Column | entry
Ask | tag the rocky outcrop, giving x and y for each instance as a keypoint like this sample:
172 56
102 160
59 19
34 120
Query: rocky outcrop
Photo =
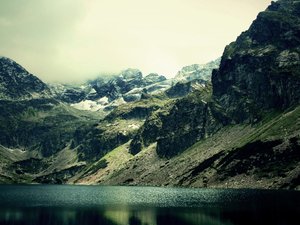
179 125
92 143
182 128
16 83
260 71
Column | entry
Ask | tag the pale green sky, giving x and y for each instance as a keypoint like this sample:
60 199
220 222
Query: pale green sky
72 40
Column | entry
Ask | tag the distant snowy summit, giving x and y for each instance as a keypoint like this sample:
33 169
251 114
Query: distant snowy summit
108 92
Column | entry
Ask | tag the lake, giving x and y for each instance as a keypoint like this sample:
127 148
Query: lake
113 205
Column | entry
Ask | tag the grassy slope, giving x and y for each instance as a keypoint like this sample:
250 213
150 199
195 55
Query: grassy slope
212 162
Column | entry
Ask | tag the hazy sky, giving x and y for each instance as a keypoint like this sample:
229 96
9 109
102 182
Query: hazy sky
72 40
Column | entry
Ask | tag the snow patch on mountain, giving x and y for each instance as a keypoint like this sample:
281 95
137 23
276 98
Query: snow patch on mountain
88 105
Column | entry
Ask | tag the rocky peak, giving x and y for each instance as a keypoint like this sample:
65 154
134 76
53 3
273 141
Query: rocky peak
130 74
153 78
197 71
17 83
129 79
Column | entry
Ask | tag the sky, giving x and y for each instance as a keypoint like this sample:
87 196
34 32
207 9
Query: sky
76 40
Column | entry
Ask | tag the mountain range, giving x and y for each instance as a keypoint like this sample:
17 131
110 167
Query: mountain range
231 123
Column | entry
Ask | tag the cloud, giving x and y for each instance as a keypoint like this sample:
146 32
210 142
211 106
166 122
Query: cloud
72 40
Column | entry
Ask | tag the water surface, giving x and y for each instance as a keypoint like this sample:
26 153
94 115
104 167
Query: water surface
106 205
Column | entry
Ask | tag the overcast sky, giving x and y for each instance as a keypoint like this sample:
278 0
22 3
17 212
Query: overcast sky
73 40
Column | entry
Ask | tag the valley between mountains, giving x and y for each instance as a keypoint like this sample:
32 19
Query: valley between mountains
231 123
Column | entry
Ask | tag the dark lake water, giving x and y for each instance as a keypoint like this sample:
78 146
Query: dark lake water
67 204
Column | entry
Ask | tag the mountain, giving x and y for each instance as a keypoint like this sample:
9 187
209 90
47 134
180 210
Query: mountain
17 83
241 130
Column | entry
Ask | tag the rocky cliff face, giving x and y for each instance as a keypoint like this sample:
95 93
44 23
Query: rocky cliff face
17 83
260 71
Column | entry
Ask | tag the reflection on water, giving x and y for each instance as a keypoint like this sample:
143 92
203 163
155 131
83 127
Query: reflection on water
107 217
66 205
161 216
